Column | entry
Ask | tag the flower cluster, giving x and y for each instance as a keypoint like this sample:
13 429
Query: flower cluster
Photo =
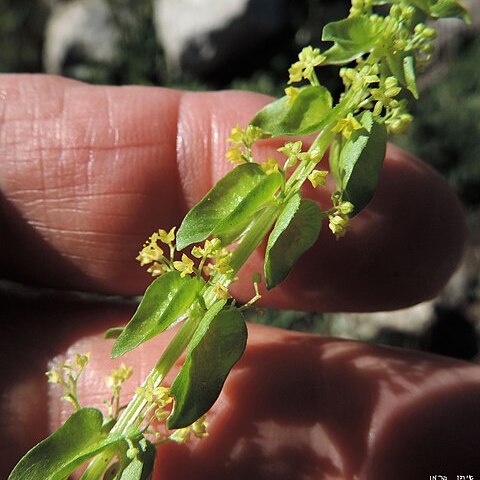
241 141
159 400
304 68
115 381
346 126
67 375
339 217
153 255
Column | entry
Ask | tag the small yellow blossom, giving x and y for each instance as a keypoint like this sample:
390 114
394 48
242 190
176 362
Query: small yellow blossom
292 150
318 178
156 269
384 96
338 225
235 155
185 266
345 208
221 292
270 166
292 93
198 428
82 359
54 376
223 265
347 125
118 376
167 237
150 252
308 59
162 396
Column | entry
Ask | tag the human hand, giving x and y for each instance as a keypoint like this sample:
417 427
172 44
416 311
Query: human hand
88 172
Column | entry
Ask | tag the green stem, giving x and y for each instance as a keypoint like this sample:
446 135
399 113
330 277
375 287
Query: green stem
133 414
252 239
98 466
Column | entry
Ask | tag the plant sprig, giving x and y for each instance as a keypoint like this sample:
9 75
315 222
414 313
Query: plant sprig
379 56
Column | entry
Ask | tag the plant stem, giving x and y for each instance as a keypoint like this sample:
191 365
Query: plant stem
97 466
133 414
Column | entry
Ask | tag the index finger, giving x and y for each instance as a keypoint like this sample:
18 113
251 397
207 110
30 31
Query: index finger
87 173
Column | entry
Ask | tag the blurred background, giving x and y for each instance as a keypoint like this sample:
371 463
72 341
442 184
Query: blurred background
249 44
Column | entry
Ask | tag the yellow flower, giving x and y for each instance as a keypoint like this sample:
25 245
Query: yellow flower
167 238
156 269
292 93
295 72
338 225
292 150
347 125
318 178
185 266
308 59
270 166
234 154
54 376
221 292
150 252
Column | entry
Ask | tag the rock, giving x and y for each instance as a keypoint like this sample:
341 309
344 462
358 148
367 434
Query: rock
200 37
80 30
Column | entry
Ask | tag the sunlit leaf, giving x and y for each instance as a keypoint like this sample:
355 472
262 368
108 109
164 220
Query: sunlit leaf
308 112
227 210
352 37
113 333
79 439
296 230
361 160
216 346
165 300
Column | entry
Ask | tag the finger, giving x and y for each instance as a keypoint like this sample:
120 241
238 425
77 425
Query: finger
88 173
295 406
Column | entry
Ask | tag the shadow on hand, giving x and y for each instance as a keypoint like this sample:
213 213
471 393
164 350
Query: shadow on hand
300 407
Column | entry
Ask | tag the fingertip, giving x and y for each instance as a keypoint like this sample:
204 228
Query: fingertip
400 250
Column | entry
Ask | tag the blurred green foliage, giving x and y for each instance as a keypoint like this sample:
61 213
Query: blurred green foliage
446 130
22 25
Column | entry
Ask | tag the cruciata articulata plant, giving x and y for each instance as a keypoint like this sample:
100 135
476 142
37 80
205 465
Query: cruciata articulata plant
379 47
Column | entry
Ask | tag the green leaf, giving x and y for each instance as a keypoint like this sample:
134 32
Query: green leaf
409 71
334 160
228 209
402 65
76 441
296 230
113 333
352 37
216 346
449 8
141 467
361 160
165 300
307 113
442 8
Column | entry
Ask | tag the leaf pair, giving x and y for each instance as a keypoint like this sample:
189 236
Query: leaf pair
356 166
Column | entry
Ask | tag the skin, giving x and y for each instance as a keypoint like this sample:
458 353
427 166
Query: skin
87 173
